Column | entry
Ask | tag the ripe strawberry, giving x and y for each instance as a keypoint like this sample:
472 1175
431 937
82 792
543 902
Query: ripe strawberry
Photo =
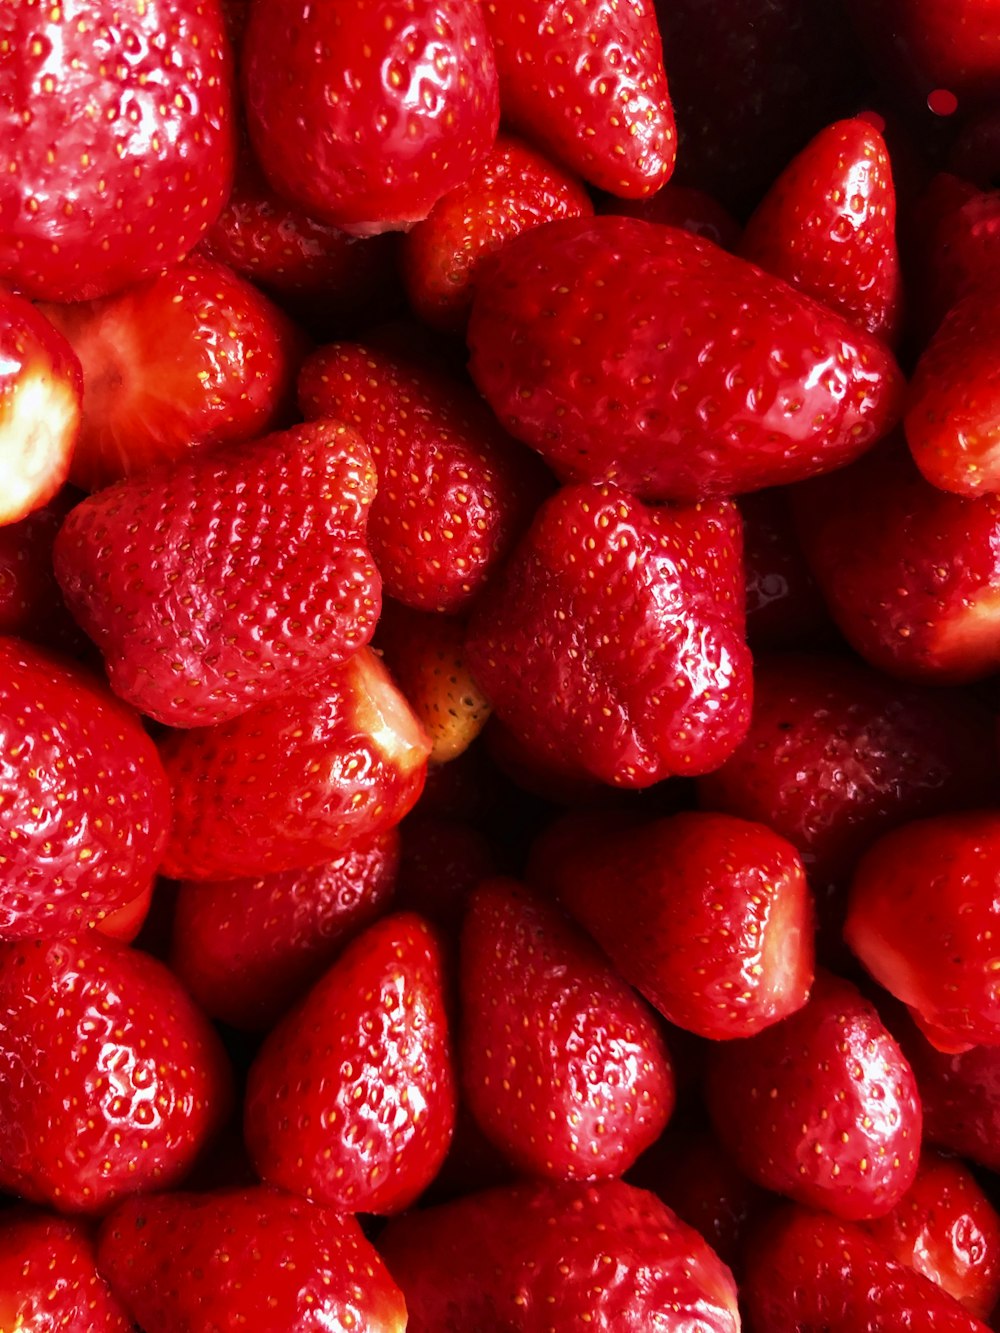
454 490
351 1101
41 389
118 140
192 358
681 206
955 245
923 915
716 930
342 759
111 1081
85 807
629 352
606 1257
586 81
612 641
828 227
49 1278
252 1258
127 921
246 950
365 113
563 1066
31 603
822 1107
220 583
813 1273
784 605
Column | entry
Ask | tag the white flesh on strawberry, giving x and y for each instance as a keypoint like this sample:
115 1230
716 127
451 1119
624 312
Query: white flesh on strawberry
39 420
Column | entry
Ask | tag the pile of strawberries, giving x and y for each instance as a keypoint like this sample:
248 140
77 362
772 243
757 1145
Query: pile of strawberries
499 632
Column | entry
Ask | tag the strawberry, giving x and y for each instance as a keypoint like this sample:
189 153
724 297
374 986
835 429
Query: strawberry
365 113
344 759
587 82
682 206
563 1066
49 1278
784 605
246 950
822 1107
252 1258
947 1229
31 604
453 490
85 806
716 930
828 227
192 358
612 641
923 915
955 247
606 1257
441 861
351 1101
812 1273
136 95
630 352
258 555
111 1081
41 394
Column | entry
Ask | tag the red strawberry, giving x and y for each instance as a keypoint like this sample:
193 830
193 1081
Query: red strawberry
49 1278
351 1101
246 950
118 140
31 603
784 605
644 355
366 112
586 81
85 806
955 247
342 759
453 489
192 358
822 1107
812 1273
681 206
923 917
947 1229
828 227
41 388
612 641
708 916
511 190
223 582
606 1257
253 1258
563 1066
111 1081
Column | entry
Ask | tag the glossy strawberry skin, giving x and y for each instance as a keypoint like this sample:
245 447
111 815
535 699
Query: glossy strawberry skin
587 82
563 1066
344 759
257 551
606 1257
364 113
623 351
49 1278
138 98
246 950
139 1085
589 662
252 1257
86 808
351 1100
799 1118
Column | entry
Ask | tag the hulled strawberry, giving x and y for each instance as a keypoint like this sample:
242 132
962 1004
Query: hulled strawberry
49 1278
221 583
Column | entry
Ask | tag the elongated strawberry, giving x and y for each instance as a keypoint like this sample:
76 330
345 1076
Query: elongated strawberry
351 1101
85 805
139 1084
612 641
192 358
297 781
365 113
226 581
253 1257
49 1278
118 134
628 352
